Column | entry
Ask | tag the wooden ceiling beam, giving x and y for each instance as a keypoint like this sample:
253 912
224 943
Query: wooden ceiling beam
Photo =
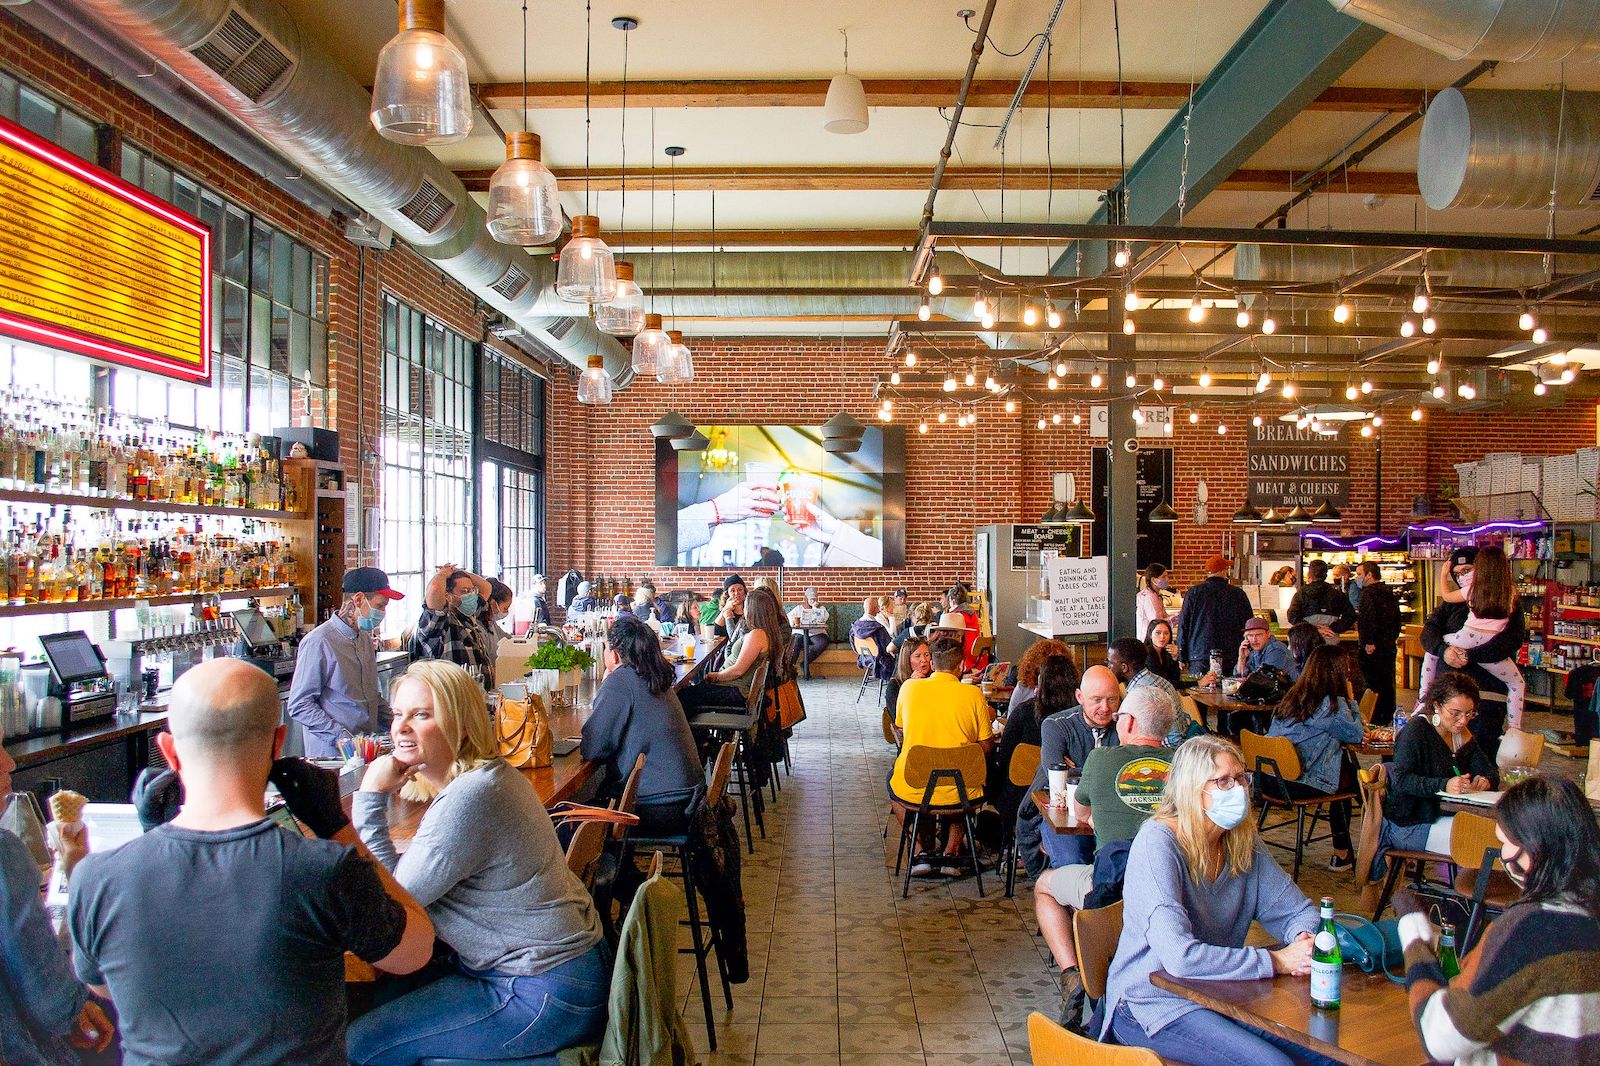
904 92
881 178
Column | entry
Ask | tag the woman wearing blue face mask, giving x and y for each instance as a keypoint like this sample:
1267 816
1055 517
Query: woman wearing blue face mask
1197 877
1150 606
448 628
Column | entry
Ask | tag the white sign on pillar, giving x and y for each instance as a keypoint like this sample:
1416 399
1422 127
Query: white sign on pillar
1156 423
1078 596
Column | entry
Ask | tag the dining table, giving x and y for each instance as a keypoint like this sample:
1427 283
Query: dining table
1060 818
1372 1026
1226 707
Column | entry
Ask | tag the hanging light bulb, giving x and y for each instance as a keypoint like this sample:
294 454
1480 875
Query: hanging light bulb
1052 384
971 379
887 403
1256 420
1130 300
1466 391
1433 364
1197 310
586 272
1052 317
950 383
1194 418
1288 390
1438 392
1430 325
1030 315
935 282
1242 317
1055 419
944 416
594 384
1408 327
988 321
1061 370
1568 376
1138 415
1420 302
1351 392
523 208
623 315
991 384
1077 420
972 417
1130 381
922 427
961 421
845 109
1540 335
1269 325
1167 428
1539 388
1526 321
894 377
886 415
1416 414
1095 380
924 312
420 92
911 358
1557 359
1222 429
651 346
1205 378
1121 258
1263 382
1366 388
1011 407
1039 424
1158 383
980 306
1366 431
1377 420
1341 311
1127 326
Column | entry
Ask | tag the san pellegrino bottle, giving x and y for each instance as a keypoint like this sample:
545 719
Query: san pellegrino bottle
1327 962
1447 952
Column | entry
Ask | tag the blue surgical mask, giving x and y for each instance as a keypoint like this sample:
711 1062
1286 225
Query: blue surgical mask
1228 807
470 603
370 621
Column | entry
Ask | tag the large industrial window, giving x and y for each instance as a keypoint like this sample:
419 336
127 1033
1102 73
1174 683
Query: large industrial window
426 447
511 537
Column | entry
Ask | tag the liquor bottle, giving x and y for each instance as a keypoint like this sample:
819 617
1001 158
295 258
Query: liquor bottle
1327 962
1447 952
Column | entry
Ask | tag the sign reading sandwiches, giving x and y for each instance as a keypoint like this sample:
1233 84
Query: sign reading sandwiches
1289 466
94 265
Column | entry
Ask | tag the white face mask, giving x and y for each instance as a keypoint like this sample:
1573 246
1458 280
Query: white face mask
1228 806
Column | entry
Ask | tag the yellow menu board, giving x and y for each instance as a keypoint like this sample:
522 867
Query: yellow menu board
93 265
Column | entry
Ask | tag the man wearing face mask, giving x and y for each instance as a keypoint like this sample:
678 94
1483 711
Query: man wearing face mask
448 628
335 694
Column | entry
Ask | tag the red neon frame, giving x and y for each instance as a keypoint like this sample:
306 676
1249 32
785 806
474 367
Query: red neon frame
84 343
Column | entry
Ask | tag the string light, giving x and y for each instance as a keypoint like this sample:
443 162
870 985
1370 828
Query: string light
1194 418
1167 429
1130 381
1430 325
1053 384
1539 388
1466 391
1205 378
1256 421
971 379
1420 302
1222 429
1077 420
1526 321
1377 420
1061 370
1366 388
1366 431
1040 424
935 283
980 306
1438 392
1011 407
1288 390
1095 380
1416 414
1242 318
1158 384
1052 317
991 384
1408 328
1341 311
1130 300
894 378
1138 415
1351 392
886 414
950 384
1121 258
1540 335
924 312
1269 325
1568 375
1056 419
944 416
1433 365
911 359
988 320
1197 310
1030 315
922 427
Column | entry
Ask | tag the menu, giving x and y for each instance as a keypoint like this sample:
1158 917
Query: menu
91 264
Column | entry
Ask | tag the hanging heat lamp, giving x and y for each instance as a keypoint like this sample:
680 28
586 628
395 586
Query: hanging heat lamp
651 346
594 384
623 316
420 92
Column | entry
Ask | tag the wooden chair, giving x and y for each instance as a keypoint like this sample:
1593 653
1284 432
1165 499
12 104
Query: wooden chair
1276 763
1191 707
1481 884
583 850
1024 767
617 851
1051 1045
1369 702
1374 786
1095 933
1519 749
925 767
888 730
866 650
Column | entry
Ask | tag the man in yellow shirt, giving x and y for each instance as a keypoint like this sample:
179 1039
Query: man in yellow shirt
939 711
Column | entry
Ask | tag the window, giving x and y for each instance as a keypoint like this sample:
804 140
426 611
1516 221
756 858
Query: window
39 114
427 430
511 538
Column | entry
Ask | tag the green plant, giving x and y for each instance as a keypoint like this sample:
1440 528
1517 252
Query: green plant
557 656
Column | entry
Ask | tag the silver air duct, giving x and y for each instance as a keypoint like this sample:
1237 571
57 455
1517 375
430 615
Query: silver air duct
1515 31
250 58
1505 148
1285 264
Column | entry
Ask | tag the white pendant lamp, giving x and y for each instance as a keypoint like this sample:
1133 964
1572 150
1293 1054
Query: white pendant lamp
624 315
845 110
594 384
523 209
587 273
420 93
677 368
651 346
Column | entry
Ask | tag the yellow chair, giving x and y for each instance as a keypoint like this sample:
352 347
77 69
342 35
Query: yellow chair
1519 749
1020 773
1276 763
925 768
1051 1045
1481 883
1369 702
1095 934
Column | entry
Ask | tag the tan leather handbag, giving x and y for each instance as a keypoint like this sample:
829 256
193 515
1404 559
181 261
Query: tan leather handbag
522 728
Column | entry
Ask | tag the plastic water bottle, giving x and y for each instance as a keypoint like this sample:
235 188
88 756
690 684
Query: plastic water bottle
1399 721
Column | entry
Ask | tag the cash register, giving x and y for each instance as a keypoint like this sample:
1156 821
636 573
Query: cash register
78 678
258 644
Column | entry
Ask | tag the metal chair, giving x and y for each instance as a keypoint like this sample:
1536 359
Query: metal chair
866 649
925 767
740 729
1276 763
1020 773
1051 1045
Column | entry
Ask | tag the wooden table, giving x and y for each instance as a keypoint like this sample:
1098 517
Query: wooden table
1226 707
1060 818
1372 1027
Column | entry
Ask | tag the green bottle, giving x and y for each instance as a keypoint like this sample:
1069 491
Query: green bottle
1327 962
1447 952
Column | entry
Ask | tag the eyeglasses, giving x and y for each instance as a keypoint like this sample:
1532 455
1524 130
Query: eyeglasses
1457 715
1224 784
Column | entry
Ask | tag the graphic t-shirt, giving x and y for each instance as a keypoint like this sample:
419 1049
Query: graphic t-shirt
1123 786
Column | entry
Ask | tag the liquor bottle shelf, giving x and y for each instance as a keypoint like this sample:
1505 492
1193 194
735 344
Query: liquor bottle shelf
108 503
80 606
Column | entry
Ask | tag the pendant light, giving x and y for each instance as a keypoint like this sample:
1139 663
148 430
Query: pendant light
623 316
1297 516
651 346
671 426
523 209
420 93
845 110
694 442
842 426
587 273
1163 512
1246 515
594 384
1079 512
677 366
1327 514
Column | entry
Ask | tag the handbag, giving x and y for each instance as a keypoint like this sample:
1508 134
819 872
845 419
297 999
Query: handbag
1266 685
791 709
1372 947
522 728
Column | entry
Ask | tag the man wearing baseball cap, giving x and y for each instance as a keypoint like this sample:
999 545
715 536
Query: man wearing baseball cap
1213 618
335 694
1260 648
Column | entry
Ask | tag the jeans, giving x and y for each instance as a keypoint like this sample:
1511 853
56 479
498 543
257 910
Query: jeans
1205 1036
1400 838
484 1014
1066 849
810 645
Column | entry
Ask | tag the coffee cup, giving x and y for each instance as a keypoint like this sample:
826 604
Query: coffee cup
1059 778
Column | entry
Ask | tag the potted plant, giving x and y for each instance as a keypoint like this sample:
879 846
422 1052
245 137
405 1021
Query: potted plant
556 666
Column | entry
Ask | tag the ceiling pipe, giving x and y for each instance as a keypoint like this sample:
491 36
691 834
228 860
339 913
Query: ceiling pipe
1515 31
1505 148
252 60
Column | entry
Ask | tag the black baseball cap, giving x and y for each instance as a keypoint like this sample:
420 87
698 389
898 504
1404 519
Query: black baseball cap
371 580
1462 556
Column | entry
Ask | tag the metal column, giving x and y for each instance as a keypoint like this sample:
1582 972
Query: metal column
1122 469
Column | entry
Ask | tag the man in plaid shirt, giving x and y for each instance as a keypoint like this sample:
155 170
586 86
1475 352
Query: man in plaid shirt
448 628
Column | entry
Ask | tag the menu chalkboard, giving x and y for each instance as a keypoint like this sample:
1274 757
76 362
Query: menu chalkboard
1153 539
1060 539
1290 466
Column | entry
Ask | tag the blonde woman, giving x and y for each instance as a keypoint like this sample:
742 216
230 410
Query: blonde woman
1197 877
531 971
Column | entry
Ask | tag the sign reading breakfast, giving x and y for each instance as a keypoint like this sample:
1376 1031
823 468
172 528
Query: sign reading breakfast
1290 466
93 265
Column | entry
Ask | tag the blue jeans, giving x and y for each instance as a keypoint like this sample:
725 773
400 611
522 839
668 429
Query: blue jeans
1205 1036
1400 838
488 1015
1066 849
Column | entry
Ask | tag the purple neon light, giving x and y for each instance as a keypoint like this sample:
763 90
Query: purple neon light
1362 544
1477 529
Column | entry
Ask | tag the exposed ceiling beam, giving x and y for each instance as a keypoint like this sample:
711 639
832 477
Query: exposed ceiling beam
771 238
874 178
903 92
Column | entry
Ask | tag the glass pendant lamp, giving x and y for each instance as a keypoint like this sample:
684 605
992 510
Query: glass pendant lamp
594 384
587 273
651 346
523 209
677 367
420 93
624 315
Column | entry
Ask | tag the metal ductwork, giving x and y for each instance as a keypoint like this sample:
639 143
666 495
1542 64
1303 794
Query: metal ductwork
1283 264
250 58
1513 31
1505 148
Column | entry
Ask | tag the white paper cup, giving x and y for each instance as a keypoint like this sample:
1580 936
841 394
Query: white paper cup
1058 788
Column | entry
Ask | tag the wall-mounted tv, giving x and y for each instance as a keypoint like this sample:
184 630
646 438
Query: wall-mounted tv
771 496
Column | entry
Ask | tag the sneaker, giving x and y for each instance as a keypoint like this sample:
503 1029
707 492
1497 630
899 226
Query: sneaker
1072 999
952 865
1347 862
922 865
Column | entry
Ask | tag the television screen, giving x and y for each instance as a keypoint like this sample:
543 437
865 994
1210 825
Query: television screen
772 496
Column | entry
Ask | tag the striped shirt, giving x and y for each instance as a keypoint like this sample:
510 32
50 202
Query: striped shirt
1529 993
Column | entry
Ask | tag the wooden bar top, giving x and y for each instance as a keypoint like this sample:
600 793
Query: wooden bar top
1372 1026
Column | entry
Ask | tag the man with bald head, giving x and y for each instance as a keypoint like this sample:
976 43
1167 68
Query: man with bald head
219 936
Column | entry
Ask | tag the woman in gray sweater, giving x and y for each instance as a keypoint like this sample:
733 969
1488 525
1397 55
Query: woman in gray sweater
531 971
1197 877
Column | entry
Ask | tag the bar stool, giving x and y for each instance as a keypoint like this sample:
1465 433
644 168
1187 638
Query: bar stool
615 853
736 728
